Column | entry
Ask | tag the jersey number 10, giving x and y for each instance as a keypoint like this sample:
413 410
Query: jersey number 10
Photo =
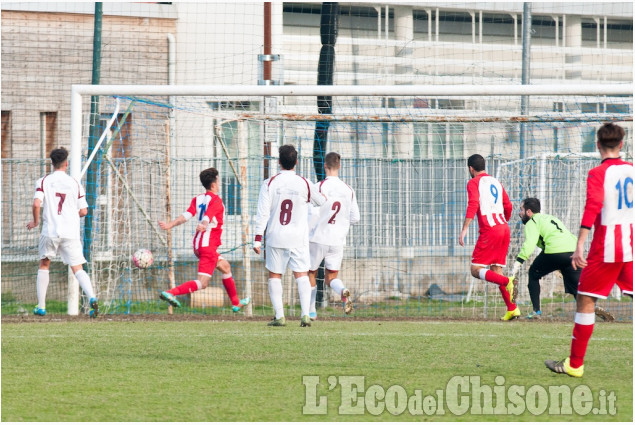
623 193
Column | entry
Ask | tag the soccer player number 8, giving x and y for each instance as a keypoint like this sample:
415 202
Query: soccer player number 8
285 211
494 191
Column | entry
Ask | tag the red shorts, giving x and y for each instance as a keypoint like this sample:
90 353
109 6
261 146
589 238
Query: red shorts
597 278
207 259
491 247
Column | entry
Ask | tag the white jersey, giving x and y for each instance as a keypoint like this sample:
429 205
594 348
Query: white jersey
283 210
336 215
62 197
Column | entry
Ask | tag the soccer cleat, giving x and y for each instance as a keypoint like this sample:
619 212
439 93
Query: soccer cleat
512 290
39 311
305 322
278 322
166 296
346 299
603 314
535 315
95 308
511 315
313 315
243 303
563 366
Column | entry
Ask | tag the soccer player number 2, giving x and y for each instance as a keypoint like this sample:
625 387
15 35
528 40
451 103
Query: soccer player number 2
622 189
494 191
337 206
285 211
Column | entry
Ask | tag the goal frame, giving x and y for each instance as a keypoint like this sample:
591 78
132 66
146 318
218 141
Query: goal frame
79 90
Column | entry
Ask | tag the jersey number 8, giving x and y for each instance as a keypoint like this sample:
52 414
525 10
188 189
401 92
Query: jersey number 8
286 208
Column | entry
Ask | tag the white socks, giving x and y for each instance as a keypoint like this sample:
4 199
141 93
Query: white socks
304 292
84 283
42 285
313 297
275 293
585 318
338 286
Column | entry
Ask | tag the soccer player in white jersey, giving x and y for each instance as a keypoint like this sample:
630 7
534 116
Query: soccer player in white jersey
61 201
328 234
283 212
609 208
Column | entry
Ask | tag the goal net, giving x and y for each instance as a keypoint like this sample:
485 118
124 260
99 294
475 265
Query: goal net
404 153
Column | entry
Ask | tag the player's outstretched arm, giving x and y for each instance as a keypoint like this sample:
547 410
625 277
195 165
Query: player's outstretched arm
262 216
578 260
466 225
36 215
355 215
532 236
170 224
317 198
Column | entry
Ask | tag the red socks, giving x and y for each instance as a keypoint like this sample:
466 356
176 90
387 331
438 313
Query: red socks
230 287
185 288
502 282
507 298
582 331
496 278
194 285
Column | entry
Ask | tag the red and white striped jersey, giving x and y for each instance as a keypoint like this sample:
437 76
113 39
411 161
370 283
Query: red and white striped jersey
609 207
283 210
335 216
488 201
207 207
62 197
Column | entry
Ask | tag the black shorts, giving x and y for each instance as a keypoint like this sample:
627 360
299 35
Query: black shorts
548 263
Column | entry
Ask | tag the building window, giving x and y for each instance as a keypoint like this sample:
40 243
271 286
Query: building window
7 201
6 134
48 133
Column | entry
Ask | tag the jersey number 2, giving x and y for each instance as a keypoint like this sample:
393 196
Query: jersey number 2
59 206
336 207
286 208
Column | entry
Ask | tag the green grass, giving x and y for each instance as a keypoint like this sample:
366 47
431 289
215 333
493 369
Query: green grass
245 371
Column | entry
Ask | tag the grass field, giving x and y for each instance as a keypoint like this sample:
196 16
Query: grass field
135 370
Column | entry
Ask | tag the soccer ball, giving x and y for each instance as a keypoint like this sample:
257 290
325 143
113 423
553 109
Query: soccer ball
143 258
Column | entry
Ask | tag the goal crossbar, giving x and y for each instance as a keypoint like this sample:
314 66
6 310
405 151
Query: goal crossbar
78 90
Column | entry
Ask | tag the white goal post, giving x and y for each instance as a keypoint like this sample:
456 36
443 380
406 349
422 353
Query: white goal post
77 146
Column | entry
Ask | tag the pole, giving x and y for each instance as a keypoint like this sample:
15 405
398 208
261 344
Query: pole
91 177
168 210
244 213
525 77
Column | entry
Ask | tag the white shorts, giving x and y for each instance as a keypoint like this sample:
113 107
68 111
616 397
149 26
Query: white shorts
332 256
277 259
69 249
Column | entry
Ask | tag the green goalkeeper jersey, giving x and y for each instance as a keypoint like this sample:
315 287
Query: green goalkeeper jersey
547 233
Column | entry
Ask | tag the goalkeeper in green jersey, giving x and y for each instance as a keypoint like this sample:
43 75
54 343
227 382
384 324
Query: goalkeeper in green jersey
557 244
